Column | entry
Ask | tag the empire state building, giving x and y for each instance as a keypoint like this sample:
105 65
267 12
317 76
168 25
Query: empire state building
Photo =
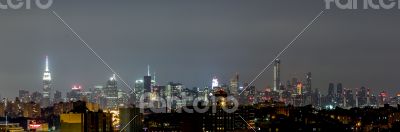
46 85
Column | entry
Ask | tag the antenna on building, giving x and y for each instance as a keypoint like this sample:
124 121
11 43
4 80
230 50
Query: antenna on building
148 70
154 74
47 64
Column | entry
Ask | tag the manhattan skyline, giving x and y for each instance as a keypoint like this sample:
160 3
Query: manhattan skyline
193 43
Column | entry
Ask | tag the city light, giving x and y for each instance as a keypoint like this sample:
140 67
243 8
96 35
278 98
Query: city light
215 83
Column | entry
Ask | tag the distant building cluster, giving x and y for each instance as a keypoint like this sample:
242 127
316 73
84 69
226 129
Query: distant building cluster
106 107
276 116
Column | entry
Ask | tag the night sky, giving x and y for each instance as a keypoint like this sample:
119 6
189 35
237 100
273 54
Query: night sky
191 41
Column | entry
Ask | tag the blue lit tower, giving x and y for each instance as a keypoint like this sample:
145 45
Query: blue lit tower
46 85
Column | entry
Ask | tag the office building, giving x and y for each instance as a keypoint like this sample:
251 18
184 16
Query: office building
111 93
45 102
277 75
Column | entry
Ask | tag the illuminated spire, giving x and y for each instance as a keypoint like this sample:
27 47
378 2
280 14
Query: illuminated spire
47 64
148 70
46 93
154 76
46 74
113 78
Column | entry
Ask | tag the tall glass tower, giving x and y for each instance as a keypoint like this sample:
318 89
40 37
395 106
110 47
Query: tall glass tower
277 71
111 93
147 81
234 85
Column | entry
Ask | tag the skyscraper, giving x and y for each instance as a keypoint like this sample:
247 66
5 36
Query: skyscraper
357 98
299 88
316 98
24 96
252 94
339 94
139 86
234 85
308 83
331 97
368 97
215 83
99 96
139 90
383 98
339 90
362 97
307 89
147 81
46 85
277 80
123 98
331 90
111 93
348 98
75 93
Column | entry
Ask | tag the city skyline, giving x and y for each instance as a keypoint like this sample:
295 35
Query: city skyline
332 54
214 82
199 65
